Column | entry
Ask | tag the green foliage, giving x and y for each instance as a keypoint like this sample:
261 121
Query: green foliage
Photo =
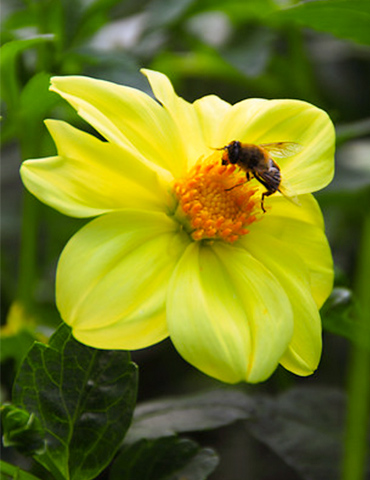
341 315
92 16
35 99
240 11
84 399
168 458
316 416
349 19
10 472
22 430
189 413
15 346
167 12
35 102
297 425
8 63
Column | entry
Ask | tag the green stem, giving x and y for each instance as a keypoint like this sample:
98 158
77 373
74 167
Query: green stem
30 147
28 251
15 472
356 440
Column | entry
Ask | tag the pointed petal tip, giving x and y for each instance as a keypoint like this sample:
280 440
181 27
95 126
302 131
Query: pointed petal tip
145 71
54 82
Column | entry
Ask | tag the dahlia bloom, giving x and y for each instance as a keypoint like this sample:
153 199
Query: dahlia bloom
174 249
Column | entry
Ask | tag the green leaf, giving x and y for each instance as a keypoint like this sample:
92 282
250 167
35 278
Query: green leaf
304 427
204 411
35 103
163 13
11 472
20 18
341 316
349 19
94 15
84 399
9 53
36 99
204 63
251 52
167 458
240 11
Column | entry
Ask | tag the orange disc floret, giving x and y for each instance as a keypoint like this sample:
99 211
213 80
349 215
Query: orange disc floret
212 209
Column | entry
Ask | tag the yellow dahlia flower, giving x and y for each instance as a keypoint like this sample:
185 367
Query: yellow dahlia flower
175 249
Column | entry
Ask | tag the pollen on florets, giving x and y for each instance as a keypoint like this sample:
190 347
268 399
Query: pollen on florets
211 208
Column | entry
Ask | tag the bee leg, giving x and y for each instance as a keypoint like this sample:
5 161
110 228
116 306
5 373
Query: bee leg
234 186
269 191
265 194
262 200
248 176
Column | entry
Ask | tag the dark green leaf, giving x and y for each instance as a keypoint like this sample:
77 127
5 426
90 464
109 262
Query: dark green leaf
199 467
84 399
349 19
11 472
303 426
167 458
93 16
191 413
250 53
340 315
108 66
22 430
166 12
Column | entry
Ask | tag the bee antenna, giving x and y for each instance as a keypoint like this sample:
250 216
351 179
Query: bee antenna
214 148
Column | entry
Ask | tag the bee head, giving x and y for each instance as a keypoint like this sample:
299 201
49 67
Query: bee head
233 152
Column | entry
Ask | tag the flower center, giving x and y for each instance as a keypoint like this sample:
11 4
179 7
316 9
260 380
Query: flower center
213 209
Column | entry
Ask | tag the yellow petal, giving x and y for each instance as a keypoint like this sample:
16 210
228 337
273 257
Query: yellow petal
90 177
183 115
257 121
112 279
236 120
210 111
301 227
303 354
127 117
227 315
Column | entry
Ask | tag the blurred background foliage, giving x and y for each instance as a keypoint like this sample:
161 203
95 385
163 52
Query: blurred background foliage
316 51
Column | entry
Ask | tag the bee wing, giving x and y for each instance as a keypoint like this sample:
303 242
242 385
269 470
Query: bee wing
282 149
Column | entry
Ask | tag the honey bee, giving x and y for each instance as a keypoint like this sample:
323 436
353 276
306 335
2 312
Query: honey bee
256 161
